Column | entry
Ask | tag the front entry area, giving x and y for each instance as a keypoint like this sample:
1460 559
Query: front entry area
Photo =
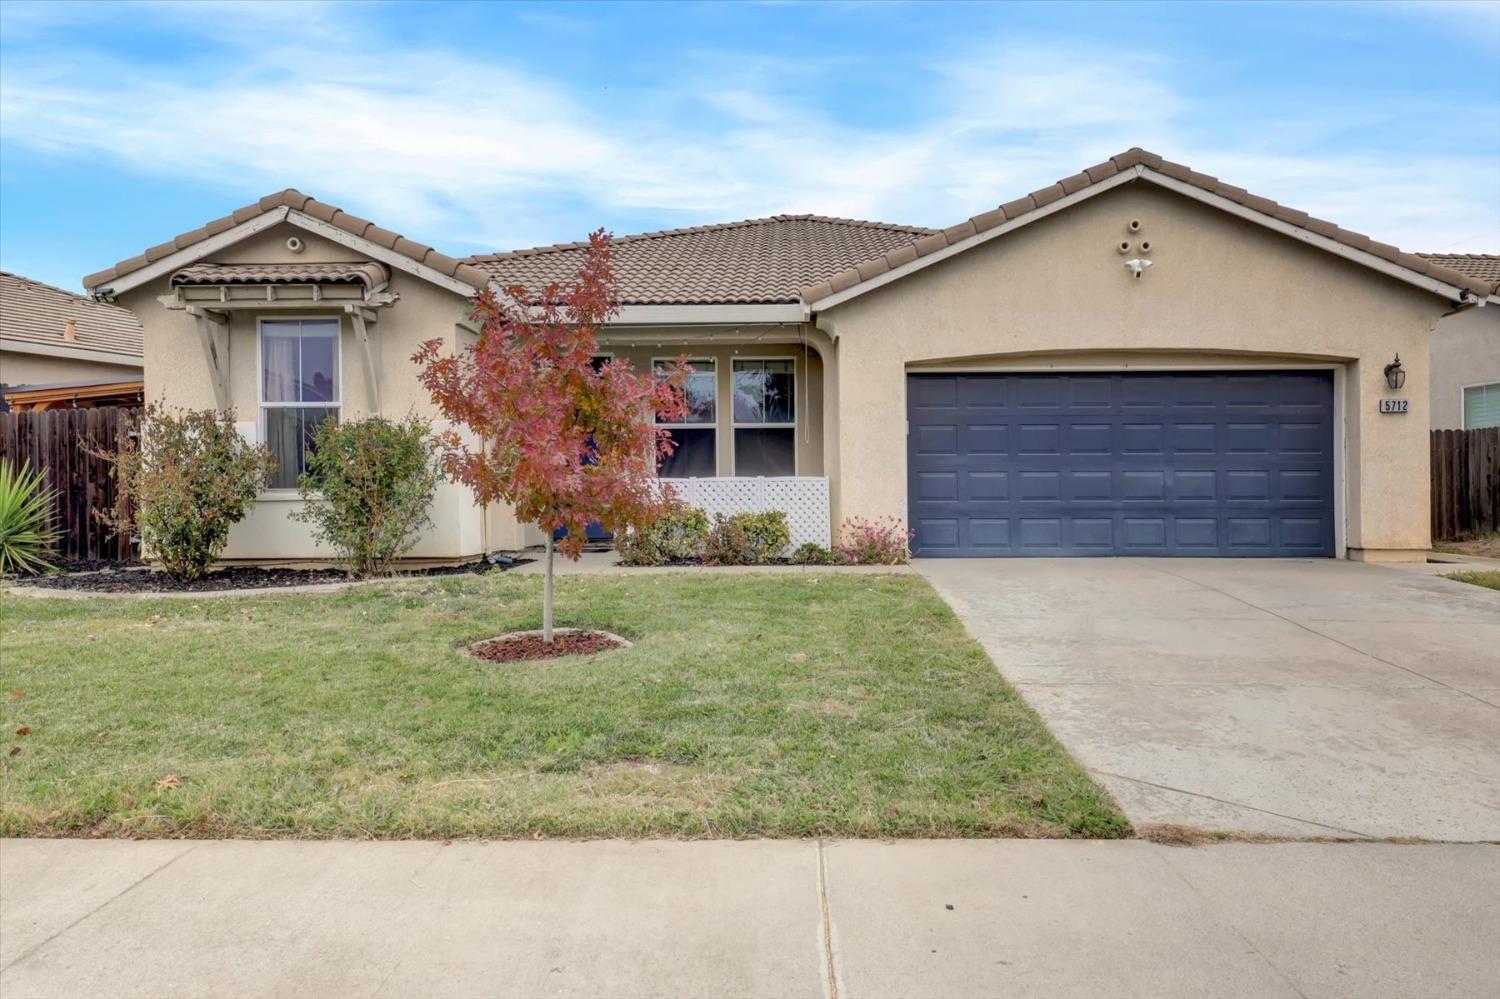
1201 463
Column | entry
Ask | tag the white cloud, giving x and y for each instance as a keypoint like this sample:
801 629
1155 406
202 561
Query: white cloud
459 151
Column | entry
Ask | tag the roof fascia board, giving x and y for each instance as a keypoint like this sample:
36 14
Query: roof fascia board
1370 260
74 353
701 315
896 274
197 251
378 252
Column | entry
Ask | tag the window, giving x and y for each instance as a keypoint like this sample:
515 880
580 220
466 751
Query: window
299 389
765 416
695 453
1482 406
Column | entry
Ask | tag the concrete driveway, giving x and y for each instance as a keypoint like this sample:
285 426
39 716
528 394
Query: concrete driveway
1291 698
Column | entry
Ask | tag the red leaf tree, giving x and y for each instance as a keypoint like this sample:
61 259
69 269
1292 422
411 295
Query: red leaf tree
564 442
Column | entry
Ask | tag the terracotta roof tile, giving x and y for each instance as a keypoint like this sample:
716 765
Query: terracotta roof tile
38 313
297 201
366 272
765 260
1436 266
1480 266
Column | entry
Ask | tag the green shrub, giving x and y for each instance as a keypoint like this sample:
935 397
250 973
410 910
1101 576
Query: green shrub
882 541
184 477
746 538
28 530
676 536
812 553
367 489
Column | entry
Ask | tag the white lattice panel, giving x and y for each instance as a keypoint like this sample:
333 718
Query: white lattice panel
804 500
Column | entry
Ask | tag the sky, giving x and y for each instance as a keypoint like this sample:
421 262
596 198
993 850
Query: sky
481 127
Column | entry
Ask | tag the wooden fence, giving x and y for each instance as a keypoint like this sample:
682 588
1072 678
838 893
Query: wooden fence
50 440
1465 483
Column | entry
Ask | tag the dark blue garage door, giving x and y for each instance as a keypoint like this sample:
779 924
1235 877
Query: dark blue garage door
1203 463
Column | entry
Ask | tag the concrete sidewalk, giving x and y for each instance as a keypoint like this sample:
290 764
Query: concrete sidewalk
758 918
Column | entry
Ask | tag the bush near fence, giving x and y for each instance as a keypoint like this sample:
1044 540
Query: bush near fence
1465 483
50 440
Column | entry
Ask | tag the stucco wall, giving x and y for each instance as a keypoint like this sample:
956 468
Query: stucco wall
1465 350
177 374
1221 290
21 368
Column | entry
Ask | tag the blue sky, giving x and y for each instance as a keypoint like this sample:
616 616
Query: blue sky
479 127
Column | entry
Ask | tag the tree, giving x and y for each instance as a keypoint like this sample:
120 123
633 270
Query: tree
562 441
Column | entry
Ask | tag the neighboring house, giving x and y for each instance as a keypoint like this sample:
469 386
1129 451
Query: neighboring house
1465 352
1135 360
61 350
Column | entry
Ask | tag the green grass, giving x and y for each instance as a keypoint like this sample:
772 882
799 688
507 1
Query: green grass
788 705
1479 577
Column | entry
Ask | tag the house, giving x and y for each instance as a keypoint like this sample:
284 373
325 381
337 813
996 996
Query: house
62 350
1138 359
1465 352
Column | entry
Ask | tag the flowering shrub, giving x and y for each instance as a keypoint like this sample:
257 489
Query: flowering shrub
675 536
881 541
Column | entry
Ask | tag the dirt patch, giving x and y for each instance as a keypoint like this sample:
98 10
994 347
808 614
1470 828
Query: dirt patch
140 579
1485 547
525 646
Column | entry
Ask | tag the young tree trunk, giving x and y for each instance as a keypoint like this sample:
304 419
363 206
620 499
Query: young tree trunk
547 594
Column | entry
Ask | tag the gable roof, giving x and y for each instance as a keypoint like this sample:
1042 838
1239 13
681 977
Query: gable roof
1482 266
33 312
288 201
1133 164
755 261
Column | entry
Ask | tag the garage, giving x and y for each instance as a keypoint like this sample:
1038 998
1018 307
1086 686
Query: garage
1201 463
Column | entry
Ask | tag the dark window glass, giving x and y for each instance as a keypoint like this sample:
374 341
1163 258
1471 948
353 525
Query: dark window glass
765 451
692 457
289 434
764 391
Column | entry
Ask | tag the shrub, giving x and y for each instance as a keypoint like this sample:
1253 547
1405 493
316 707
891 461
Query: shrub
746 538
368 487
677 535
184 476
882 541
28 530
812 553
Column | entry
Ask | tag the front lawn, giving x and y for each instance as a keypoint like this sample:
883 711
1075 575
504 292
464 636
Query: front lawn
1479 577
785 705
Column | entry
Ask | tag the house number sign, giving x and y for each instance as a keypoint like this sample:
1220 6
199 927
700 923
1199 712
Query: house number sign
1393 405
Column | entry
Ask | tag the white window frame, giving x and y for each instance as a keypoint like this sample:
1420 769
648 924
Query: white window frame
261 405
734 423
718 408
1463 401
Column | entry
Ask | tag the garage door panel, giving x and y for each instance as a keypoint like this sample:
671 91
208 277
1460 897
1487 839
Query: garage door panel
1204 464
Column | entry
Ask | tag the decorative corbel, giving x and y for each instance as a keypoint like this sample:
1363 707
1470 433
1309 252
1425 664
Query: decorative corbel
213 333
361 318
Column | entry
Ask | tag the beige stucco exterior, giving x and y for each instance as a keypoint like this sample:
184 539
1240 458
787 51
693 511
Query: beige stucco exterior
1465 350
1222 292
27 367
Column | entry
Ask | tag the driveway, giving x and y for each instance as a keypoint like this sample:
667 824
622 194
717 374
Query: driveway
1290 697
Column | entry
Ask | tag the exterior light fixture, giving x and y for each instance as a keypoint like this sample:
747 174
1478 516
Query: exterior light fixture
1395 375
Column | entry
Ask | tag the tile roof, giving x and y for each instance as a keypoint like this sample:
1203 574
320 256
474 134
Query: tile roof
297 201
39 313
900 255
765 260
1484 266
365 272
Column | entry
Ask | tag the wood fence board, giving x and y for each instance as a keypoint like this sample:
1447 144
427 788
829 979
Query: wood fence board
1465 470
52 440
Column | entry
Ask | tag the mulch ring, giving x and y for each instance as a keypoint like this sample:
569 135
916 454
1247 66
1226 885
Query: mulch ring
524 646
140 579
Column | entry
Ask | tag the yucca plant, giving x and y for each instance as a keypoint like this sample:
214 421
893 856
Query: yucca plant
27 531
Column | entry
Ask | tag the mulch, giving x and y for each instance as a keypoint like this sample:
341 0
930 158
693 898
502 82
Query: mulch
529 646
139 579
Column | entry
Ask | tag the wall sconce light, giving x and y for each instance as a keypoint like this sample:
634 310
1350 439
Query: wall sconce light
1395 375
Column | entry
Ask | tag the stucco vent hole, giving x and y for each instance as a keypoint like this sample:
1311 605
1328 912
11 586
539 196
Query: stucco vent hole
1134 225
1124 246
1145 246
294 244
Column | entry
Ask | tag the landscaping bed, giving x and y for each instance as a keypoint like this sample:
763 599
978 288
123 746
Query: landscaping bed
143 579
787 705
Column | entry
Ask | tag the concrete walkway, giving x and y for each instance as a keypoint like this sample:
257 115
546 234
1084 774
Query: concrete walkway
1286 697
758 918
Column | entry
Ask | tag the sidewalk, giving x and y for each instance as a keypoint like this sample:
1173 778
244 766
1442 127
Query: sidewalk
758 918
